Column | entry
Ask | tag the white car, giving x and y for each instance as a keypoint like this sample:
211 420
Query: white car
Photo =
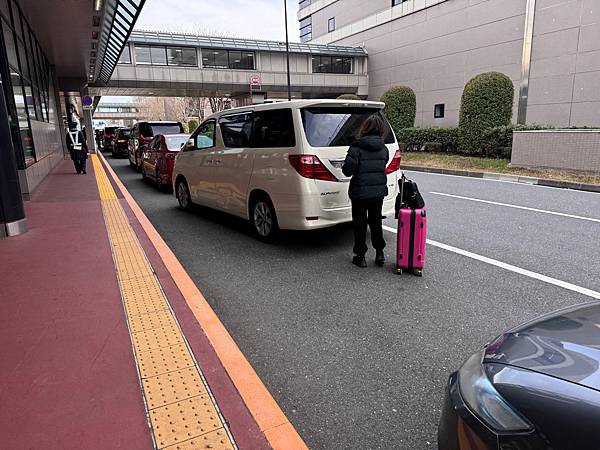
279 165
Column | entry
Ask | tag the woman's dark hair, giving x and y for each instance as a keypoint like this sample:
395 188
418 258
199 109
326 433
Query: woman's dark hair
373 126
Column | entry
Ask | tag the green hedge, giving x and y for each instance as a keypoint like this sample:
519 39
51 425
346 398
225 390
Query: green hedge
498 140
487 102
192 124
400 107
348 97
428 139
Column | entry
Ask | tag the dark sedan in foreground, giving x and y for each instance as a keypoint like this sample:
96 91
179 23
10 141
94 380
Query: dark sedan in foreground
534 387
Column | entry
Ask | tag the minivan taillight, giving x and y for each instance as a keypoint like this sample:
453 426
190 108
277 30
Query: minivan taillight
310 166
395 164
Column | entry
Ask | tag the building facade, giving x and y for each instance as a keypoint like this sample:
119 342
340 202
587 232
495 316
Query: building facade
550 49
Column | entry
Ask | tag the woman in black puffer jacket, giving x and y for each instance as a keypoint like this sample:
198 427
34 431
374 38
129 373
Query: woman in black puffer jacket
366 162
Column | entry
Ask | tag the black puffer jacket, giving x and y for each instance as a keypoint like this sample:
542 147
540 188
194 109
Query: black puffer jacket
366 162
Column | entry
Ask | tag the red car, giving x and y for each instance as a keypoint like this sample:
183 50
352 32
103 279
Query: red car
158 158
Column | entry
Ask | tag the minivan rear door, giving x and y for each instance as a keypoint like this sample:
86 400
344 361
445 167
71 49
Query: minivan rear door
330 129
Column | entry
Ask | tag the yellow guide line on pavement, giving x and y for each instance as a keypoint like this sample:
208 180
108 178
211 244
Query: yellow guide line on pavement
182 413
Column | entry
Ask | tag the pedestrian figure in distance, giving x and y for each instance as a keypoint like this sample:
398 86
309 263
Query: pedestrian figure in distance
366 162
78 148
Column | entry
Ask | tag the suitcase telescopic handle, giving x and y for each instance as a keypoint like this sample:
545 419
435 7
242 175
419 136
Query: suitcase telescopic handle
402 190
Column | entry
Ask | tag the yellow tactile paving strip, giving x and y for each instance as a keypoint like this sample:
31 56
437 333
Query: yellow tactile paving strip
182 412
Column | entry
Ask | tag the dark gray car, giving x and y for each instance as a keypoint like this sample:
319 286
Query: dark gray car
534 387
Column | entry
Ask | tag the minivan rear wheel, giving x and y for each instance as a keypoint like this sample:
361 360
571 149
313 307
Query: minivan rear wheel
263 219
183 196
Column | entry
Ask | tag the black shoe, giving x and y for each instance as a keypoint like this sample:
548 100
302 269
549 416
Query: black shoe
359 261
84 172
379 258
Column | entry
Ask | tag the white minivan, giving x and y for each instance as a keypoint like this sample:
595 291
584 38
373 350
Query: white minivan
279 165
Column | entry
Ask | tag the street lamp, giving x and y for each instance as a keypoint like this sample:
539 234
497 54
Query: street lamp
287 52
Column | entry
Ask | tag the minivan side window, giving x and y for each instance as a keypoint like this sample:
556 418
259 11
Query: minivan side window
204 137
274 128
236 130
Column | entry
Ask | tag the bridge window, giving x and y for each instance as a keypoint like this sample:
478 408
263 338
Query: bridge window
159 56
331 64
142 54
125 56
227 59
182 56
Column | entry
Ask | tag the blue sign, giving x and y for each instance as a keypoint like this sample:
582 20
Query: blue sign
87 100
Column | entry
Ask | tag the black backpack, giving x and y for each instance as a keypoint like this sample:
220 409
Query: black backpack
409 196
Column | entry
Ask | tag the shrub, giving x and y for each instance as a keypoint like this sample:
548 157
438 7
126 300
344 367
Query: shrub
429 139
348 97
192 124
498 140
400 107
487 102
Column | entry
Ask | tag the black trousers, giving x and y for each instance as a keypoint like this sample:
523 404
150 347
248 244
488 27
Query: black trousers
365 212
80 165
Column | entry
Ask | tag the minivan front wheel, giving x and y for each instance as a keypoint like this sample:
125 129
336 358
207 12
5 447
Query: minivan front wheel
183 196
263 219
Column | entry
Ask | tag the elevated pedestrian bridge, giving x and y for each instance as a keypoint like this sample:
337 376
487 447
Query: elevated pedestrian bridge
167 64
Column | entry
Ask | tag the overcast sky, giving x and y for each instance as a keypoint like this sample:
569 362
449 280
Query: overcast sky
259 19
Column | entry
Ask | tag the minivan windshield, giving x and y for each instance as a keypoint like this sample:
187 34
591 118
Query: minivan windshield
338 127
175 142
110 130
165 128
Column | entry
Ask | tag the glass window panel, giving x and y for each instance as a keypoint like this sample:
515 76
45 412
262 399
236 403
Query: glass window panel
37 104
24 130
248 61
236 130
24 68
274 129
175 56
347 65
235 59
337 64
142 55
125 56
189 57
159 56
337 127
9 41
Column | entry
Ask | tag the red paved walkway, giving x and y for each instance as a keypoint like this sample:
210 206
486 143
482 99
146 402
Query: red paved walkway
67 373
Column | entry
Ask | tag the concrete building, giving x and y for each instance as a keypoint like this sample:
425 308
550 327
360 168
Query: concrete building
549 48
178 65
50 52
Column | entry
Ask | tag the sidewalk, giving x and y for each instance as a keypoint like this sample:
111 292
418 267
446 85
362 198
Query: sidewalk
106 341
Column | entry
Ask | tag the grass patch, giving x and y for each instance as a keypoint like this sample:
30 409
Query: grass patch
479 164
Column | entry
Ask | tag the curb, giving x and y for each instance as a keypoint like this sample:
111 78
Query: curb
506 177
271 420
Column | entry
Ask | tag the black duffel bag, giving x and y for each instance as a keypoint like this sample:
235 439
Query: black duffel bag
409 196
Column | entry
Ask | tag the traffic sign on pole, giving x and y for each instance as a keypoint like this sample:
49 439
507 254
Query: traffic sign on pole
87 102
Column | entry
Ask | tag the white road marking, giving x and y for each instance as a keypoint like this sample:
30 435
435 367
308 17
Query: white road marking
501 181
510 267
508 205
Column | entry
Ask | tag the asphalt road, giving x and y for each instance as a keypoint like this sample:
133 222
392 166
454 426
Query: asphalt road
359 358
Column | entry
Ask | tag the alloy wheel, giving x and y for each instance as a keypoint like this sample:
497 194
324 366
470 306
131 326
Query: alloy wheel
263 219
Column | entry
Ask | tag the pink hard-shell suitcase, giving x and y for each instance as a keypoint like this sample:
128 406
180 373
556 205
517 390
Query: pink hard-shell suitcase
412 236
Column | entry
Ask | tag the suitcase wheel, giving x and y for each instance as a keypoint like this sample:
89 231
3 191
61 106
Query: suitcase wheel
418 272
398 270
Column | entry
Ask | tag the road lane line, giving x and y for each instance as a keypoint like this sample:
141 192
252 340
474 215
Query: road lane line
510 267
508 205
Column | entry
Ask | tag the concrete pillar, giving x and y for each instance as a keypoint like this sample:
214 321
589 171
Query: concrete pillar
12 211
